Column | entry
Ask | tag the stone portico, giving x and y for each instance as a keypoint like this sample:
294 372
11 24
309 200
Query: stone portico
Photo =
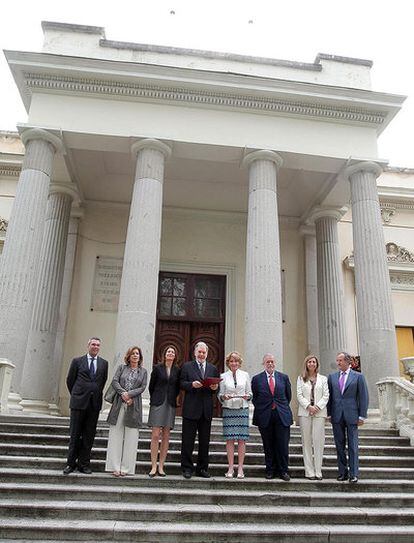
151 159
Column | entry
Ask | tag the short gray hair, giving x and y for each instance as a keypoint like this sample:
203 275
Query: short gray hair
197 345
347 356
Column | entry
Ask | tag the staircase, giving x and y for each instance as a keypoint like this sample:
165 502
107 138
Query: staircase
38 503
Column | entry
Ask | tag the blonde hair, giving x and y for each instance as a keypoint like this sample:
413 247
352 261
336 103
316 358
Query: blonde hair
236 355
305 371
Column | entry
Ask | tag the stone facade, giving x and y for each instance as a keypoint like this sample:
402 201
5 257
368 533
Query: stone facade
197 162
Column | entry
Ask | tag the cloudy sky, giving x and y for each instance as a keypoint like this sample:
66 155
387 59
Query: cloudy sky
379 30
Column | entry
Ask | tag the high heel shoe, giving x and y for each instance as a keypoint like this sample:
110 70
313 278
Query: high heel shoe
229 474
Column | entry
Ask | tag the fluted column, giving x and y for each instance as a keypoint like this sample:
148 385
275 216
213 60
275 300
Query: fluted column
332 330
376 325
76 215
39 372
263 311
19 263
139 283
311 288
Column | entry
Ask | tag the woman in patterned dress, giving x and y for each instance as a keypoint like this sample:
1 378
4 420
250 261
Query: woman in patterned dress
234 394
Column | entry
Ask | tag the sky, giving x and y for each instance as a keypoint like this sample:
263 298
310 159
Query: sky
378 30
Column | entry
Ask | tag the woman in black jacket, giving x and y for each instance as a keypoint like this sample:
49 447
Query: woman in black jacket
164 387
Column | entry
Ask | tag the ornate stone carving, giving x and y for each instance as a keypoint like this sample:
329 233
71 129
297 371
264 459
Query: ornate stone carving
217 99
400 265
387 213
3 226
396 253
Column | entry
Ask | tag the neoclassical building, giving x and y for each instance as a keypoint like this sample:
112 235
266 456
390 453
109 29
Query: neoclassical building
158 195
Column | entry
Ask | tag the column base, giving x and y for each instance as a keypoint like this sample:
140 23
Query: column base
36 407
14 403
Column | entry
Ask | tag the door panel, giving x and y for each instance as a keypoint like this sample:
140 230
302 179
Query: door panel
191 308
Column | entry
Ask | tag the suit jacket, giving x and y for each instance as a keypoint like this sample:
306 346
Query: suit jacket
82 387
133 415
198 402
353 403
263 399
321 391
243 389
162 386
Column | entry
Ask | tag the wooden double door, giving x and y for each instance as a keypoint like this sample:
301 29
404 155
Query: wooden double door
191 308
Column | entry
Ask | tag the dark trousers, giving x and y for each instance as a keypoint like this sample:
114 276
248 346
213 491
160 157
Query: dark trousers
275 439
191 427
82 433
344 432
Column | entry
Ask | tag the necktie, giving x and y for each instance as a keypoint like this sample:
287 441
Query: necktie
342 382
272 384
201 370
92 368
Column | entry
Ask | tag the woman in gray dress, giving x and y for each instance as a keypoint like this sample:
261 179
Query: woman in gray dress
163 388
125 416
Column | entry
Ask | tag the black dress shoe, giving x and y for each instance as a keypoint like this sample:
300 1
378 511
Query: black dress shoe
203 473
187 474
85 470
343 477
162 474
68 469
311 478
269 475
285 477
353 480
319 478
152 475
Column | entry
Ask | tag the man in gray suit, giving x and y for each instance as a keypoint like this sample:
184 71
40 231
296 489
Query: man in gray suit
86 379
347 409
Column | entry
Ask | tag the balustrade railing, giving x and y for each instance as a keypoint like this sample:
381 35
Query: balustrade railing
396 400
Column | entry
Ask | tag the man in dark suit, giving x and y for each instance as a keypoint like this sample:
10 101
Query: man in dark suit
197 411
85 381
272 414
347 409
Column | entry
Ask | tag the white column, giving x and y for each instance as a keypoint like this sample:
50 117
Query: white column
376 325
263 311
39 371
332 329
311 289
75 216
19 263
139 283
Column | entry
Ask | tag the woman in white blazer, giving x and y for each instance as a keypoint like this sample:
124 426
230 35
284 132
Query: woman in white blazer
234 394
313 395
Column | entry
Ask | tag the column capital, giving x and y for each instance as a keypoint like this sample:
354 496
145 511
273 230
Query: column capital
321 212
150 143
28 134
307 230
64 188
363 166
77 212
263 154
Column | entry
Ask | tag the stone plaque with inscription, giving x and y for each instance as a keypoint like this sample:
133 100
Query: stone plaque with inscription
106 284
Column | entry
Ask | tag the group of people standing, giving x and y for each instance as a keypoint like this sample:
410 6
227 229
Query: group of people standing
341 398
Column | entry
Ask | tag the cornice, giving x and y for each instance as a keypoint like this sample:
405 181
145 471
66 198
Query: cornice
10 170
137 91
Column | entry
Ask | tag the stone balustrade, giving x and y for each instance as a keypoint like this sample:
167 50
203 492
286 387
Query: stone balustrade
396 400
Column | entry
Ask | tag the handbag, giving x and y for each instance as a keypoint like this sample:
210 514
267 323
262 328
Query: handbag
110 394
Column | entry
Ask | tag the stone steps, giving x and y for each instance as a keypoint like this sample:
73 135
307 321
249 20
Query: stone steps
178 532
38 503
373 445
